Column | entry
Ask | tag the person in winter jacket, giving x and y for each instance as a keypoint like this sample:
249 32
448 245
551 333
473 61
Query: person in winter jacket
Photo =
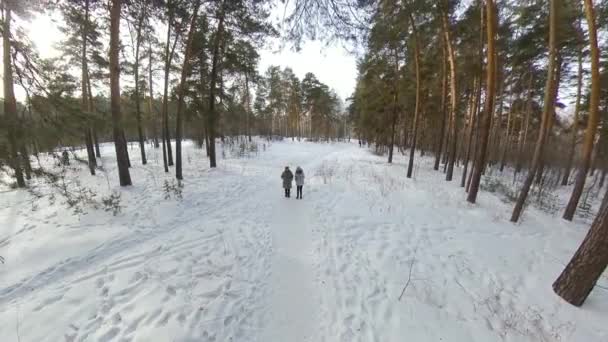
287 178
299 182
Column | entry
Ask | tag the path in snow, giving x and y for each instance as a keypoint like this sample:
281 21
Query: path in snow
233 260
293 301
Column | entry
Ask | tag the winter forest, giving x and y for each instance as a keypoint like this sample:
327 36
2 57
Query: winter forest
458 191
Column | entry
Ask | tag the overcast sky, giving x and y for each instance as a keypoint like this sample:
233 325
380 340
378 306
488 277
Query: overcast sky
331 64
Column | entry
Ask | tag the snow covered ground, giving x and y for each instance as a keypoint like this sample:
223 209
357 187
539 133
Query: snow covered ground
367 255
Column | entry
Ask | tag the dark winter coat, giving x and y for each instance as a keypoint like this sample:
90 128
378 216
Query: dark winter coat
287 178
299 177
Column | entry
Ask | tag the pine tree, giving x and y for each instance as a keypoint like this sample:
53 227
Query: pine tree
119 142
550 92
10 104
593 119
182 91
480 160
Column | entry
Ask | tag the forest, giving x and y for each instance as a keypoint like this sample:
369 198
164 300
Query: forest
517 89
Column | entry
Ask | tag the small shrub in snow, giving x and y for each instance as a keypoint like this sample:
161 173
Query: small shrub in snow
112 203
173 189
326 171
546 201
497 186
253 148
1 260
242 149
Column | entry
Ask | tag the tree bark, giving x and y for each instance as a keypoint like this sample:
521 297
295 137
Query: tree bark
91 110
181 93
119 141
577 106
484 132
140 132
444 118
96 142
151 96
92 162
472 122
212 119
394 112
577 280
10 104
126 146
476 104
248 110
453 99
524 131
507 137
593 119
88 139
549 103
410 166
25 157
168 152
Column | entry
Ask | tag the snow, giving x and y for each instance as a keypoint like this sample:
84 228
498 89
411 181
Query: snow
233 260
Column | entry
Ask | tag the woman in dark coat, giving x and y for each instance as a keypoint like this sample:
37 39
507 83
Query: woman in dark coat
287 177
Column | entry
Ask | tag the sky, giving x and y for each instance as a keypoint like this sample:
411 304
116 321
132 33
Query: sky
332 64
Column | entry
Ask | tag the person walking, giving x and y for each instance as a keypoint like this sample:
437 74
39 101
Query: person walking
287 177
299 182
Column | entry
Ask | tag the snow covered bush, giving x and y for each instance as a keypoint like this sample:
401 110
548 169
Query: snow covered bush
173 189
326 171
112 203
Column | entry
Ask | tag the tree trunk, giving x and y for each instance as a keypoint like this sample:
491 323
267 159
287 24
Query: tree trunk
91 110
180 94
27 166
84 100
10 104
212 119
394 113
570 155
96 142
558 71
577 280
126 147
593 119
151 96
484 131
393 124
444 117
410 166
119 142
524 133
88 139
248 110
453 99
168 58
549 103
164 146
140 132
507 137
472 122
476 104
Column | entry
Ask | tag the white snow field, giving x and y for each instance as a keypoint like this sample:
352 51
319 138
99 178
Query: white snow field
233 260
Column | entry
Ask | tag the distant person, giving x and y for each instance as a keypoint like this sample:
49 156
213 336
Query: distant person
287 178
299 182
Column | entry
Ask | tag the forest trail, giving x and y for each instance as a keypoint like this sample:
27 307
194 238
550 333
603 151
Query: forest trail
228 258
294 297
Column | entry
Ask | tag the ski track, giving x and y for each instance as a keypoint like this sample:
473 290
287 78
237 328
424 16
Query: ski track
235 261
